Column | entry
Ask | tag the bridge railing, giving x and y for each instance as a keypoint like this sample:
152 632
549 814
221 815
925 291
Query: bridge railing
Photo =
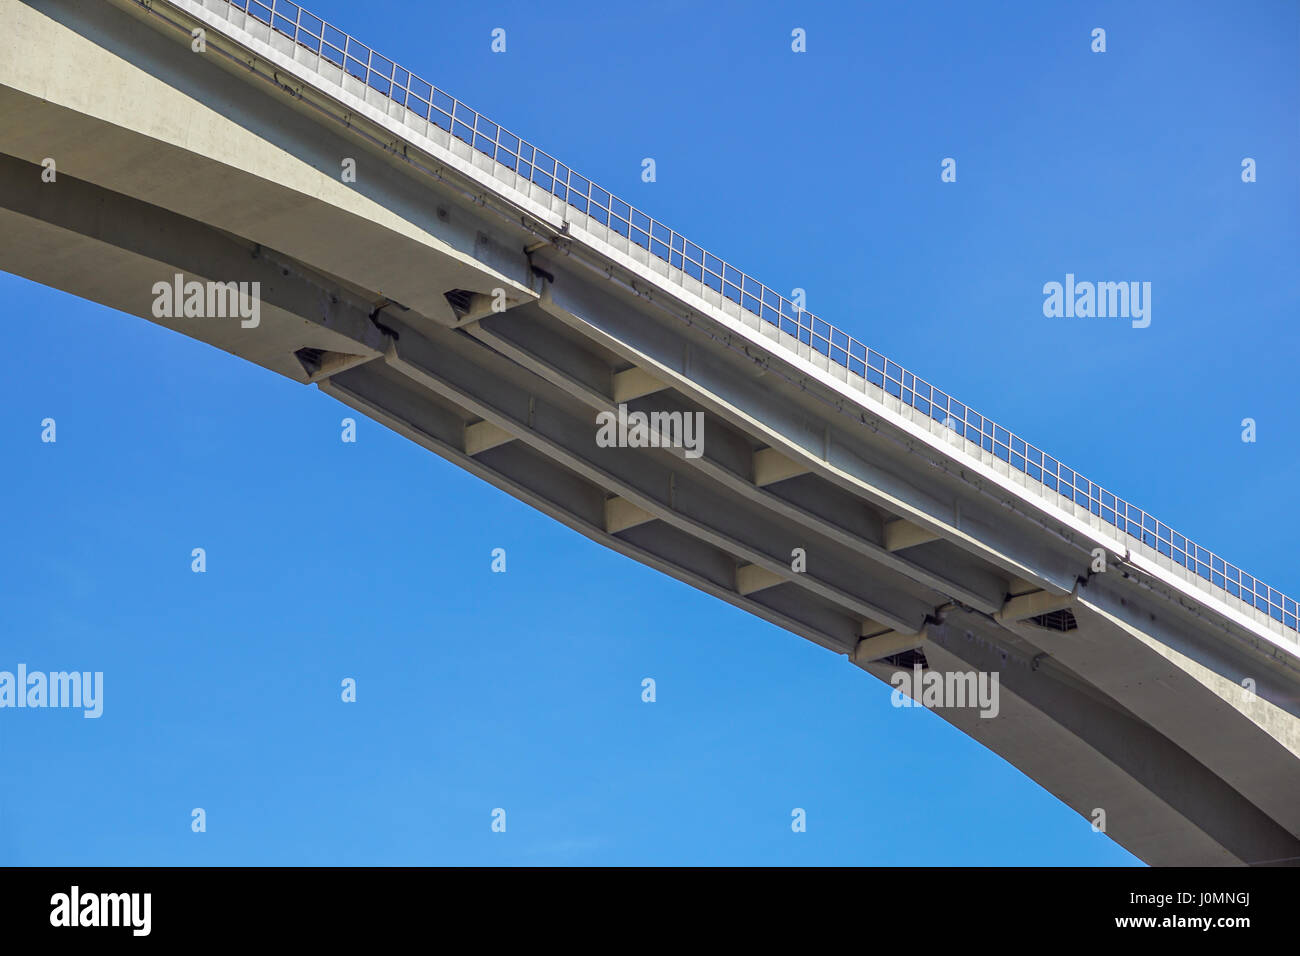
494 141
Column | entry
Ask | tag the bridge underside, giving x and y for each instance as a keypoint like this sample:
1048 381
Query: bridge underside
1114 696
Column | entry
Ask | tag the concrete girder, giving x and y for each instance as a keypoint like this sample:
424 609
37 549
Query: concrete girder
1245 722
605 318
1091 752
751 578
269 173
874 647
1068 768
901 533
399 404
621 514
1144 649
178 238
770 466
523 341
634 383
48 228
671 496
483 436
1069 530
1023 606
482 305
204 240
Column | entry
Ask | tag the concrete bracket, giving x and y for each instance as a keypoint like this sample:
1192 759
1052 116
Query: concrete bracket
1034 604
885 644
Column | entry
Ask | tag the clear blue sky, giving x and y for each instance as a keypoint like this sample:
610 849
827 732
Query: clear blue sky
522 690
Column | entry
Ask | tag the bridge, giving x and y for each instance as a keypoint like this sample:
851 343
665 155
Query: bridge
471 292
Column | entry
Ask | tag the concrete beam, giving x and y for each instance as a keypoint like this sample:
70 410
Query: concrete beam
322 365
784 413
492 387
482 305
1128 692
634 383
311 327
901 533
869 628
751 578
427 419
530 343
256 152
1089 750
621 514
481 436
1191 687
1025 606
770 466
886 645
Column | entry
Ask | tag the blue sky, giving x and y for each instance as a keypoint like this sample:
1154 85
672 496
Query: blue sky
522 690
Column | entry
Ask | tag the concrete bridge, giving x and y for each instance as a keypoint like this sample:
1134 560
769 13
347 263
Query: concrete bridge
474 294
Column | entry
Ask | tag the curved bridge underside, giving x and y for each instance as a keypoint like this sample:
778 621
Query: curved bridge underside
493 337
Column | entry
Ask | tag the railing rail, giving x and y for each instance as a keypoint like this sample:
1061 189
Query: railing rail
492 140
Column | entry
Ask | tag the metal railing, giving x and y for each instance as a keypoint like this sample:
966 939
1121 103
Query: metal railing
492 140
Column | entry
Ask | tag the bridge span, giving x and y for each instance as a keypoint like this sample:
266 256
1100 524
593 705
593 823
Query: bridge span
473 293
